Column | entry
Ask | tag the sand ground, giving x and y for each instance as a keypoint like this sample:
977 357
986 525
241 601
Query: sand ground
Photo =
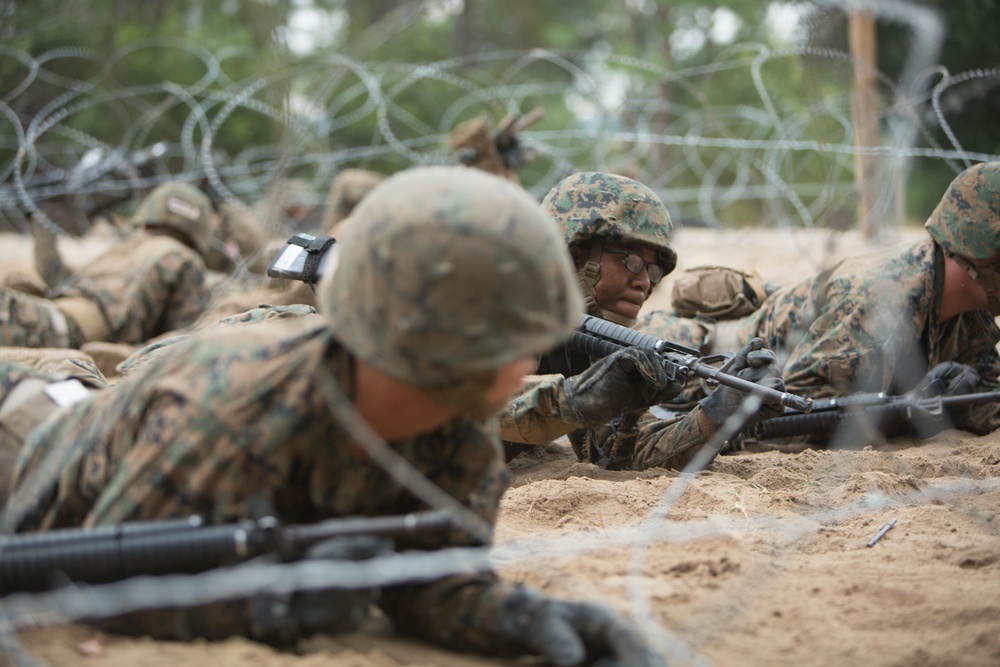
760 561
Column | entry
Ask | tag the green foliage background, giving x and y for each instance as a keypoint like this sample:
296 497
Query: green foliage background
125 73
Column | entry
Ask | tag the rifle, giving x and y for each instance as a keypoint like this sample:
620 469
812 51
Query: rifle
600 338
34 561
892 415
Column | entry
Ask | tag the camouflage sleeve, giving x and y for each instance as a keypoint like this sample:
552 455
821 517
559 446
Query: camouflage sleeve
539 414
462 612
985 417
189 296
670 443
846 349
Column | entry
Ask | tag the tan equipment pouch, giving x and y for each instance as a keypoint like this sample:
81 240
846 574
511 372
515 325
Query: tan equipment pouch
718 292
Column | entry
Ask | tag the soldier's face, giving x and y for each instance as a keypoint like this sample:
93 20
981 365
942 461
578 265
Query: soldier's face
618 289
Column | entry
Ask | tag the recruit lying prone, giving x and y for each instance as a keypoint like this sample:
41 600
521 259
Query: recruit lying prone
600 338
36 561
890 415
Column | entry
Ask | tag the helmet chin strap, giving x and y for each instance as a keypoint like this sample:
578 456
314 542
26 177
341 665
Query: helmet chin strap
589 275
988 277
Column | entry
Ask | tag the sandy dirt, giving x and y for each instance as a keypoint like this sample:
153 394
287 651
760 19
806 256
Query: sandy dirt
759 561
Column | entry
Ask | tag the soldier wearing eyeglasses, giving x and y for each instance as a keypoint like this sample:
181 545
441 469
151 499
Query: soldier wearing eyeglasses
619 236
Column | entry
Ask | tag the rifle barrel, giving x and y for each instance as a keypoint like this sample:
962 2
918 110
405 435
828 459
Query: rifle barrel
794 401
35 561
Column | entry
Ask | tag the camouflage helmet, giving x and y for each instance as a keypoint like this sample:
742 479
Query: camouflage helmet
966 222
597 208
346 191
446 273
181 208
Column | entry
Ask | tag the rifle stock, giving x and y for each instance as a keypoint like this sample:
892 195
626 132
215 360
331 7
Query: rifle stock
31 562
599 337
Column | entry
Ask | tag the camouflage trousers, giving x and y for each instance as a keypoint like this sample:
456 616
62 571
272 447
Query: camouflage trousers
30 321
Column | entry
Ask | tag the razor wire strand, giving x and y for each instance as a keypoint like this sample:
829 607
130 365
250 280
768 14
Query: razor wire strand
641 138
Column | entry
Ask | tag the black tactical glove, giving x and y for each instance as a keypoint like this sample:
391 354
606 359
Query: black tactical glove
949 378
574 633
282 620
755 363
630 379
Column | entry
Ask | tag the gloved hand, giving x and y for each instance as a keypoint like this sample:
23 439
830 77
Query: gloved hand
949 378
282 620
574 633
755 363
630 379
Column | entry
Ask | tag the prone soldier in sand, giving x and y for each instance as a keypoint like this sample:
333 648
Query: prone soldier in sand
923 315
618 232
448 285
914 318
150 283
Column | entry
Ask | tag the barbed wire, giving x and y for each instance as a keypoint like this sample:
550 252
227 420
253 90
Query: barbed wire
741 151
731 153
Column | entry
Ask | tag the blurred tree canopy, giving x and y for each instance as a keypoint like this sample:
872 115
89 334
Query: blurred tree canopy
710 102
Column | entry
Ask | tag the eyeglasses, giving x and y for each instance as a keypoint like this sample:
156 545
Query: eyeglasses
634 263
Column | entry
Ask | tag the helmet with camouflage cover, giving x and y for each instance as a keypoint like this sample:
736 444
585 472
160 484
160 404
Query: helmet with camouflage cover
347 189
594 209
966 224
445 275
181 208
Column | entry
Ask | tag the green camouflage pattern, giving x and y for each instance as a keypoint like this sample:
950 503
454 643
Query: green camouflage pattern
31 321
61 363
468 273
613 209
225 418
540 413
594 206
263 313
180 207
144 286
966 222
693 332
870 324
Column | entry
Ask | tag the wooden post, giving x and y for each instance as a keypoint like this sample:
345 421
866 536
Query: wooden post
865 118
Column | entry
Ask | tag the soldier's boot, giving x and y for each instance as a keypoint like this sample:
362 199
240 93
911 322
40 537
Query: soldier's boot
48 262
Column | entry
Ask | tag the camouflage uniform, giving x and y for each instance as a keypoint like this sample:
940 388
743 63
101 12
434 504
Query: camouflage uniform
184 436
142 287
224 418
593 208
870 323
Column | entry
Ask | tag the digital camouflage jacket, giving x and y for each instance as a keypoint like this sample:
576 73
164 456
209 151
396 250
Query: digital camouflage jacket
870 324
222 419
540 414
